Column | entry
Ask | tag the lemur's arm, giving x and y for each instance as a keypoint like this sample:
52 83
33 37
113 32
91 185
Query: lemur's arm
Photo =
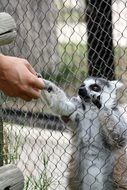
57 100
113 123
114 127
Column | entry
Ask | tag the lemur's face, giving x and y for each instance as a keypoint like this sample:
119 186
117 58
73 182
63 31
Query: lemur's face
100 91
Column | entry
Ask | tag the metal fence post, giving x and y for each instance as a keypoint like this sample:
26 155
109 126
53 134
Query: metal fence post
100 40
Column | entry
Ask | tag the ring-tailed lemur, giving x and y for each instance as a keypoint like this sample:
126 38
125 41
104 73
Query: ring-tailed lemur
101 133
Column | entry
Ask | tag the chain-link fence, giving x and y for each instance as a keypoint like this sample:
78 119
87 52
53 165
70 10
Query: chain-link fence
65 40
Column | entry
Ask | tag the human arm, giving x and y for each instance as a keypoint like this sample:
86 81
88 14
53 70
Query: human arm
18 78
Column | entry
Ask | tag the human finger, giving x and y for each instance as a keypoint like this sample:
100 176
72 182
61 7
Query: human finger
22 96
33 93
26 98
37 83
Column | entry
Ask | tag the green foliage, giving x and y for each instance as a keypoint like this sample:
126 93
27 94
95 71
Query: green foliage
72 67
43 182
69 13
12 144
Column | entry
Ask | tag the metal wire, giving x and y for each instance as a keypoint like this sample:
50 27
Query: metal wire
57 37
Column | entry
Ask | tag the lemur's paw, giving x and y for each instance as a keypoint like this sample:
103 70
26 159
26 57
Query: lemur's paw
56 99
52 90
53 95
49 86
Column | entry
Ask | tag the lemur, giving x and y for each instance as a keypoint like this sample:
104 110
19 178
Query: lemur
101 133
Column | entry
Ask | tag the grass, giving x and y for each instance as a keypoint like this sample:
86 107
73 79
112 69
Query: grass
43 182
12 150
12 144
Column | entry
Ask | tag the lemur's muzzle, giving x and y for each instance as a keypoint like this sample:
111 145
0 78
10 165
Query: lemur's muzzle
82 92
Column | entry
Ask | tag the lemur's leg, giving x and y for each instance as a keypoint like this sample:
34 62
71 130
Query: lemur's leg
57 100
114 127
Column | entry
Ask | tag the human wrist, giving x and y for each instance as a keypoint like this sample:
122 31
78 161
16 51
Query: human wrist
5 63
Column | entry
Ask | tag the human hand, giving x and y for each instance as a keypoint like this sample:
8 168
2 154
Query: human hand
18 78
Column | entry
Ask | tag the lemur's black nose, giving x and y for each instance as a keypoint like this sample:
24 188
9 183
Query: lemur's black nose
82 92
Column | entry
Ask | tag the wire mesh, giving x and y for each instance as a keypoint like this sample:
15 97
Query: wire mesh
57 37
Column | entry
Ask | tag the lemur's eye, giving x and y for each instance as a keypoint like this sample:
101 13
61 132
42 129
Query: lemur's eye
95 87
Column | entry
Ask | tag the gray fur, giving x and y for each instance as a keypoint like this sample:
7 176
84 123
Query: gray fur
100 133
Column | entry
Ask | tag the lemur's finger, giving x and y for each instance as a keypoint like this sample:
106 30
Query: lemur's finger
39 75
48 86
49 89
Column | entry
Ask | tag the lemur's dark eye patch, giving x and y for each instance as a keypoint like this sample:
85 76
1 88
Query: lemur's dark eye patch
95 87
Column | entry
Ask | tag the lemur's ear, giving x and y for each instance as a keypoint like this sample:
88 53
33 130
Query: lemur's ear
117 84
